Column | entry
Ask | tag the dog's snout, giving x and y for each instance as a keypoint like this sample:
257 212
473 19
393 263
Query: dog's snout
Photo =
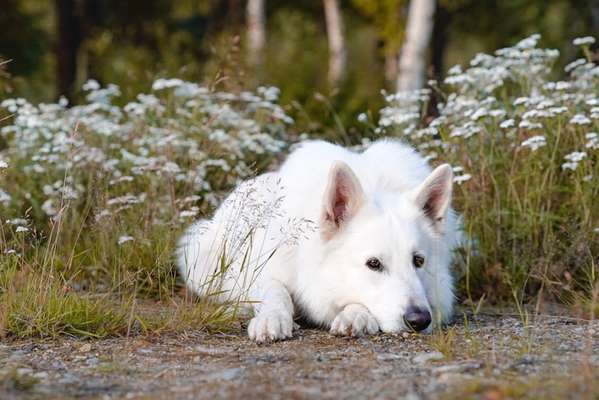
417 319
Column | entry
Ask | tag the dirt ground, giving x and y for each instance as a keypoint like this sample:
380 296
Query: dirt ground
489 356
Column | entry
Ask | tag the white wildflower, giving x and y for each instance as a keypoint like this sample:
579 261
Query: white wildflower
4 197
481 112
124 239
526 124
3 164
22 229
521 101
508 123
534 142
17 221
171 168
90 85
580 119
557 110
573 159
459 179
576 156
592 140
192 212
583 41
160 84
528 43
49 208
362 117
497 113
569 165
575 64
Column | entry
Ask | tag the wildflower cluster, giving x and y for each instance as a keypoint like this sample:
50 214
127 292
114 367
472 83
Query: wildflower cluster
527 148
124 172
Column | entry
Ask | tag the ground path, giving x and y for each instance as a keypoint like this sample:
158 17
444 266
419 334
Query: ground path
490 356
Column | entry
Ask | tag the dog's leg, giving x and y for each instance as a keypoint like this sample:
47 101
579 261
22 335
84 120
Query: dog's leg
274 315
354 320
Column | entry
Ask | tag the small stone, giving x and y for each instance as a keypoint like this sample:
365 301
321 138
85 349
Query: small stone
92 361
24 371
41 375
423 358
87 347
226 374
210 350
388 356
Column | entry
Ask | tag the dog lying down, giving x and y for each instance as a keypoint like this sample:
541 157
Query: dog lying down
354 242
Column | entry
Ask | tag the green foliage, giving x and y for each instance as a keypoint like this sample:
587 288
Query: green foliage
388 18
38 304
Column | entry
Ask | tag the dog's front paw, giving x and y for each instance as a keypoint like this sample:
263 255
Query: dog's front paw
270 326
354 320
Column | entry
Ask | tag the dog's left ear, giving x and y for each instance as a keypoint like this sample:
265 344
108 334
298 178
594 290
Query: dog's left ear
343 197
433 196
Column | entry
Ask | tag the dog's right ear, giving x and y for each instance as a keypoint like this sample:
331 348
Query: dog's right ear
343 198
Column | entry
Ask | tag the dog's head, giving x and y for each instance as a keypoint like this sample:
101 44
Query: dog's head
380 249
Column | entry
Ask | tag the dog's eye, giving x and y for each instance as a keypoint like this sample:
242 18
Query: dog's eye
417 260
374 264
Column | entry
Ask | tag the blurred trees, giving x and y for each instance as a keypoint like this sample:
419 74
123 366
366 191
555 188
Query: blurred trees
336 38
256 32
413 58
387 17
69 26
55 46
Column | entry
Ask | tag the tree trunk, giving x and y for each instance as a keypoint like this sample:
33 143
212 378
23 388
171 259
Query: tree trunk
69 40
440 40
412 60
256 32
337 52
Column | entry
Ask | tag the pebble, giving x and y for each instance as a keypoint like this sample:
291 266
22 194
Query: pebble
85 348
41 375
225 375
388 356
24 371
423 358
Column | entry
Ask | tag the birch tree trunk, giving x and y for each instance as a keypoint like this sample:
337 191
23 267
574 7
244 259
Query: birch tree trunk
412 59
337 52
256 31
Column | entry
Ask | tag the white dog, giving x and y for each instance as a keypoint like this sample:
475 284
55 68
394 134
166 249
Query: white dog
354 242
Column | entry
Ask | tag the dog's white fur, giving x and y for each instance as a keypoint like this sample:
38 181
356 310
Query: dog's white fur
385 202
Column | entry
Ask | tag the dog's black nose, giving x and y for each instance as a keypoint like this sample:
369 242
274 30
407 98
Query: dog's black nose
417 319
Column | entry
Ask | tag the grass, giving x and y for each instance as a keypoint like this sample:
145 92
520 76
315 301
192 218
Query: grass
94 197
35 304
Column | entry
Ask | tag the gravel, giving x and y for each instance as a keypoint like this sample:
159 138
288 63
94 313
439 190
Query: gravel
494 354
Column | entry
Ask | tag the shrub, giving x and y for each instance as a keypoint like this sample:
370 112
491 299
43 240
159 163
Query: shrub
118 183
525 151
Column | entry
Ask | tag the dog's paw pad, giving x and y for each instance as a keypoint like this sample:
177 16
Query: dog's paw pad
354 322
270 326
